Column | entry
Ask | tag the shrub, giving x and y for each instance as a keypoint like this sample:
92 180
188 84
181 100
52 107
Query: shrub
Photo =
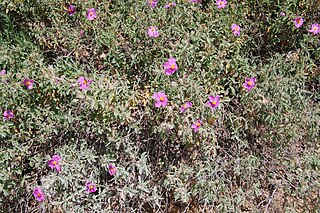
90 100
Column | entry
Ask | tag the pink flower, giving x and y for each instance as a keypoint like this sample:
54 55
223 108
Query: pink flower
282 14
71 9
196 125
249 83
195 1
54 162
3 72
315 29
170 66
38 194
152 32
92 14
152 3
84 83
213 101
28 83
170 4
221 4
298 22
91 187
186 105
112 169
161 99
236 29
8 115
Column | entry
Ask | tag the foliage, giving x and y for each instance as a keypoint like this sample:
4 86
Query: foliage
257 150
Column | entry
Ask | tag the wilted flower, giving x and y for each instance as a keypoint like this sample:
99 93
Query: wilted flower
161 99
112 169
91 187
298 22
81 33
152 3
92 14
71 9
282 14
152 32
38 194
196 125
186 105
213 101
3 72
249 83
315 29
28 83
221 4
54 162
8 115
170 4
236 29
84 83
170 66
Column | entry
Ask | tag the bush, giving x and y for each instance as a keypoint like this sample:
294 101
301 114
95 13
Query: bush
257 150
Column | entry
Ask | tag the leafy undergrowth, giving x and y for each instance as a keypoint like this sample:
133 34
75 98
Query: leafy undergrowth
135 108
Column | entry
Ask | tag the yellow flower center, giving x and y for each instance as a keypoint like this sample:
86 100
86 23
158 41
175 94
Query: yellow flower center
298 21
221 3
39 194
85 82
172 66
54 163
315 28
237 29
184 106
152 29
90 13
28 83
91 187
161 98
198 124
249 83
214 102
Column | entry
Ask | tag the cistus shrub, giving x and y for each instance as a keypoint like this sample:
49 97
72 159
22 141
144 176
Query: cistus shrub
144 106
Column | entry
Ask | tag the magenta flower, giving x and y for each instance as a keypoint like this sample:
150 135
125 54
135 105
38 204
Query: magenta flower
92 14
249 83
236 29
161 99
54 162
282 14
152 32
195 1
298 22
170 66
3 72
112 169
213 102
91 187
185 106
196 125
8 115
38 194
221 4
315 29
84 83
170 4
71 10
28 83
152 3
